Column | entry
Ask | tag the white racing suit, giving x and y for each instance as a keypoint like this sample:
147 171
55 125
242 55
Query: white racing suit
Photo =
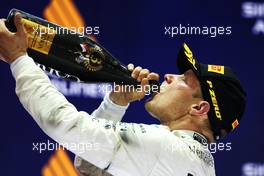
123 149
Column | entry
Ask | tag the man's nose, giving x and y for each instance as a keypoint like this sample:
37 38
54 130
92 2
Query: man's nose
168 78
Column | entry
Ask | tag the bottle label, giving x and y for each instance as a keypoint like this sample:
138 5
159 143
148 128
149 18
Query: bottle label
40 37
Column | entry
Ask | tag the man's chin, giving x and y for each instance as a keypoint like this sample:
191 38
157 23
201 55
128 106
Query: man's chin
148 100
148 103
151 98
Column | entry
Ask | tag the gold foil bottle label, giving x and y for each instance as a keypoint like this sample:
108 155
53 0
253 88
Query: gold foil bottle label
40 37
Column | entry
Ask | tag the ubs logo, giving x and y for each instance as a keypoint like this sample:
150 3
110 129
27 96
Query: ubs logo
254 10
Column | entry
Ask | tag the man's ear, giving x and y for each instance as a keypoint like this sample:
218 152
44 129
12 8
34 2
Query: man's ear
200 109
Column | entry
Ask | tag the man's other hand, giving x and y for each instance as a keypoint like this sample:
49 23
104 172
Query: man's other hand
124 96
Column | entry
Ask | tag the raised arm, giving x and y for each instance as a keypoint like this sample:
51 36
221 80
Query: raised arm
110 110
58 118
107 110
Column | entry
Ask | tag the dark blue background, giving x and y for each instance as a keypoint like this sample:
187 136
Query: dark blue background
134 32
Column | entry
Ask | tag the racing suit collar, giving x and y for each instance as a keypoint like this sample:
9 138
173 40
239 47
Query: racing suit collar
192 134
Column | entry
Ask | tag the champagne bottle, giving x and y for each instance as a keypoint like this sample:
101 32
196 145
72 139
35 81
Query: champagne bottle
71 54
